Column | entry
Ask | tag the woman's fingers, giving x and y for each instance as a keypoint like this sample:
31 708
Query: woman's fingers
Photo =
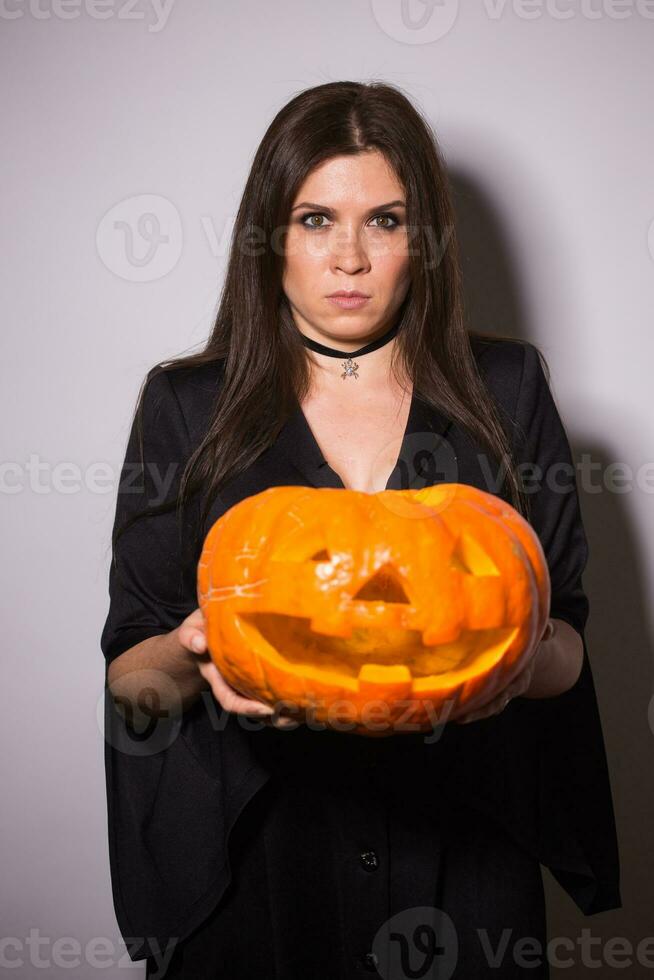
232 700
518 686
228 696
191 633
498 703
192 636
548 632
280 721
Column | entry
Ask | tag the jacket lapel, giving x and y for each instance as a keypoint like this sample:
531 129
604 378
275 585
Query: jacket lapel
422 453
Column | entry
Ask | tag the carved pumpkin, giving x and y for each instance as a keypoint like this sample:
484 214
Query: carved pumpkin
374 613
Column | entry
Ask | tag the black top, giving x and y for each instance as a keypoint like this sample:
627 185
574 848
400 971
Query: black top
539 767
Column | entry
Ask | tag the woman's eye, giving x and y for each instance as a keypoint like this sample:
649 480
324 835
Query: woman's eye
314 223
387 218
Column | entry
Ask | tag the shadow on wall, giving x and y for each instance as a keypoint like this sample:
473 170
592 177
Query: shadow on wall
494 300
619 629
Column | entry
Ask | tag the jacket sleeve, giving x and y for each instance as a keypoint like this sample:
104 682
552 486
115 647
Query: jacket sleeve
546 460
168 806
151 583
575 802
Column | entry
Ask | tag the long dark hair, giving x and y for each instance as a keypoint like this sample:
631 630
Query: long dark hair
264 363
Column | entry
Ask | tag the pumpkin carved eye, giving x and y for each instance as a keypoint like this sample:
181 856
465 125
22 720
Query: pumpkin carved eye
439 600
471 558
322 555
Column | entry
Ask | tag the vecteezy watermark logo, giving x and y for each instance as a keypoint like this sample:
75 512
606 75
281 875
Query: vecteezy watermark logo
42 952
424 21
422 943
141 715
418 943
425 459
570 9
415 21
140 238
156 13
142 712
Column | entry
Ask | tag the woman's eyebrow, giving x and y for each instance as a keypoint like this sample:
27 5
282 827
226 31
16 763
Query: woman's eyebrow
327 210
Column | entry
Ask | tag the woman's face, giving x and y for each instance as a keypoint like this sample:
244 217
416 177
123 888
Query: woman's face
347 231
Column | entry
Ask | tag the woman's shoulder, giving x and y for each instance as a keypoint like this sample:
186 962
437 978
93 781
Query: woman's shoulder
505 363
501 354
192 380
203 376
190 388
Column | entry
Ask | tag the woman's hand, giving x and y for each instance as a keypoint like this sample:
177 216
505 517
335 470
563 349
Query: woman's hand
518 685
192 636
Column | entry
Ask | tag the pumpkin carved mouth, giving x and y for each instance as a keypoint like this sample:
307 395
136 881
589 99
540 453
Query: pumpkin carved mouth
373 646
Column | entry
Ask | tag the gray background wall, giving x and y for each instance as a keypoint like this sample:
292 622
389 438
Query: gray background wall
543 111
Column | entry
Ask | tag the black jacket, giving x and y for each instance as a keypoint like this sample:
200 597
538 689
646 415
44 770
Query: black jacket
539 767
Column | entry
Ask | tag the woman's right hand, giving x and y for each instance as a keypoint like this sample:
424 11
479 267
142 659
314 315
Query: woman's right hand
192 635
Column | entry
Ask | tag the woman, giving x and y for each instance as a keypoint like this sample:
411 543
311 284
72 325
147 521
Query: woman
243 843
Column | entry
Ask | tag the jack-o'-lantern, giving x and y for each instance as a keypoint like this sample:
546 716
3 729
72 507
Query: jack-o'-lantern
378 613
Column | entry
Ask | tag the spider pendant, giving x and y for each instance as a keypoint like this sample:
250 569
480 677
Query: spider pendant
350 368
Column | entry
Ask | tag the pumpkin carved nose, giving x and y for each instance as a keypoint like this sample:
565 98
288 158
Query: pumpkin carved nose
384 586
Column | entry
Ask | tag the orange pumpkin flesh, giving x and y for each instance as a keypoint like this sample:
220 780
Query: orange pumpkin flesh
389 611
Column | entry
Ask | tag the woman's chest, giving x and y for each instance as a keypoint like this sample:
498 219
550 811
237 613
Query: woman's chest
360 438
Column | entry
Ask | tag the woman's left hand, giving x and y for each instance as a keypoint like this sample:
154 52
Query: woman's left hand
518 685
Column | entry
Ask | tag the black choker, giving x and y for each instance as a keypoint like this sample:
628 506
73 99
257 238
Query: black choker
348 364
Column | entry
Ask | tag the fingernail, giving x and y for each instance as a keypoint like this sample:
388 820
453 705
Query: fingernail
198 644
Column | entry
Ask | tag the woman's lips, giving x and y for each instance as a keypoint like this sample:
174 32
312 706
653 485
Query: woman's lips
349 302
